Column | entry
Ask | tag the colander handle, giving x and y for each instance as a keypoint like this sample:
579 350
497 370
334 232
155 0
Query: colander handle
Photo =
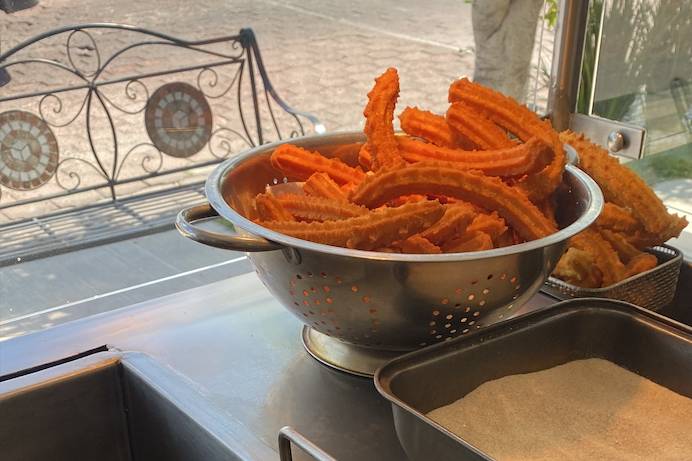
287 435
185 222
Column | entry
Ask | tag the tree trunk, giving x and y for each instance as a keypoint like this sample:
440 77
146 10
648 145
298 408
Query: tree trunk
504 32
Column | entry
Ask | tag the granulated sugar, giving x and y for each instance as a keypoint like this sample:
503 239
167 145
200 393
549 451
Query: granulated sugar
583 410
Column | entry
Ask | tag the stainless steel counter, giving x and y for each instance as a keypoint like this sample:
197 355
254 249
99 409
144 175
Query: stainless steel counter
240 351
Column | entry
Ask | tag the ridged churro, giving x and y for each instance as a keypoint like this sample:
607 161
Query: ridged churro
379 121
487 192
375 229
298 163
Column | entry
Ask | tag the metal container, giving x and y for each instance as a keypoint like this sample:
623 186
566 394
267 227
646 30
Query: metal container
653 289
362 308
106 407
639 340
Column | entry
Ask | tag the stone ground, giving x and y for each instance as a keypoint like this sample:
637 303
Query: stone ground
321 56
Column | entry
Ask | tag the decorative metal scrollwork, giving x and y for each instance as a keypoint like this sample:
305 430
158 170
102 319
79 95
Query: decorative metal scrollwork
98 112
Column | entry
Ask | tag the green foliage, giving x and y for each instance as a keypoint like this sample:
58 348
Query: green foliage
550 16
592 35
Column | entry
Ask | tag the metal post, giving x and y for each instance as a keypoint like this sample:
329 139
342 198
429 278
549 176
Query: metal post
567 57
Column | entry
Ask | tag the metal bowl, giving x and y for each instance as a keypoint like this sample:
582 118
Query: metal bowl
361 308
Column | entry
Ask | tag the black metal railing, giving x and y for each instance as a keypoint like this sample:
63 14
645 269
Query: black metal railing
92 123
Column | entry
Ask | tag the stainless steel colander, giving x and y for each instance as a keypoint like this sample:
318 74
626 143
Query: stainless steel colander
360 307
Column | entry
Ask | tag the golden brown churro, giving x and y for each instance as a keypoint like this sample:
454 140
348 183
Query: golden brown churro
373 230
517 160
379 116
298 163
523 123
433 128
487 192
319 209
269 209
482 132
321 185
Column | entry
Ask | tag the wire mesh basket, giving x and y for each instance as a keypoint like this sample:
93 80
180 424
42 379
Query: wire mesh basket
653 289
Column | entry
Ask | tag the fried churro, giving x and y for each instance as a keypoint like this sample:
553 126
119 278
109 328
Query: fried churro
624 188
270 209
375 229
298 163
487 192
321 185
523 123
517 160
379 117
308 208
433 128
482 132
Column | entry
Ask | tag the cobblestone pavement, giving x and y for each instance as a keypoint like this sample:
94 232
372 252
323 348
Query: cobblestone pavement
320 54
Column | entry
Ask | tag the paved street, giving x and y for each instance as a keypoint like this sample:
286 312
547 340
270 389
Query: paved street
321 56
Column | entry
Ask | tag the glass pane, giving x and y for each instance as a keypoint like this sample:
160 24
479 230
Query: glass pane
638 69
320 56
644 68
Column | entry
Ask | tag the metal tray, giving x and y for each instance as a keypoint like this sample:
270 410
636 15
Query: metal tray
653 289
639 340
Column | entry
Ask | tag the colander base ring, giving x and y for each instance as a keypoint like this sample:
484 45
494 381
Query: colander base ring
349 358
